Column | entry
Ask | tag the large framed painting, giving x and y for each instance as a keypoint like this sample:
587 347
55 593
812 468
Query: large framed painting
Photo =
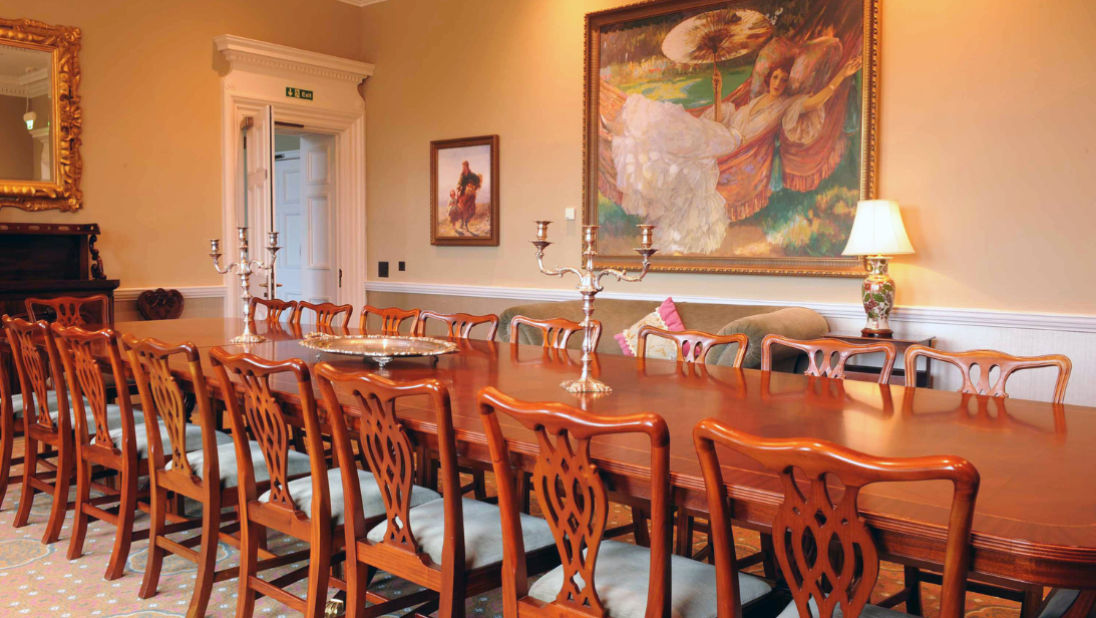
745 131
464 191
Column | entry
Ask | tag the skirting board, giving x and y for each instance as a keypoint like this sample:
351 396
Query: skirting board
854 311
955 329
207 291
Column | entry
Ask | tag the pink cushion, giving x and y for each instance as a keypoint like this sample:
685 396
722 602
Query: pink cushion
665 317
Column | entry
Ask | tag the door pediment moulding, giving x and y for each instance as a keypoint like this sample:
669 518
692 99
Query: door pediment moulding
242 53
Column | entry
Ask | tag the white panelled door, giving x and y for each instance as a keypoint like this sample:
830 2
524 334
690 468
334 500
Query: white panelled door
288 222
320 277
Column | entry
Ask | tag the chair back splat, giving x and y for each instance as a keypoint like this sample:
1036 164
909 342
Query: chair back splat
693 346
574 500
828 357
391 319
825 549
555 332
986 361
70 310
458 325
326 314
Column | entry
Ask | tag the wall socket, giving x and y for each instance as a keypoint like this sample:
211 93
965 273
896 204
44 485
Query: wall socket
382 269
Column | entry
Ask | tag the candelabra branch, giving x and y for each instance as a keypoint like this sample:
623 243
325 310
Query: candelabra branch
244 268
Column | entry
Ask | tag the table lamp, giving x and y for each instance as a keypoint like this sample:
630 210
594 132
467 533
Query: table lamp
878 230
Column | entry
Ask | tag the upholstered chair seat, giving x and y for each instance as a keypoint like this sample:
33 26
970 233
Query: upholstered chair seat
193 438
1059 601
18 406
483 543
372 502
296 463
622 576
869 611
114 418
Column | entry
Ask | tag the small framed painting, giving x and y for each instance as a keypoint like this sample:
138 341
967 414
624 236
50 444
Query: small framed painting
464 191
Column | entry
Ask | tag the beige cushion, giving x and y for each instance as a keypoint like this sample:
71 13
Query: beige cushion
17 404
623 573
193 438
482 532
296 463
372 503
114 417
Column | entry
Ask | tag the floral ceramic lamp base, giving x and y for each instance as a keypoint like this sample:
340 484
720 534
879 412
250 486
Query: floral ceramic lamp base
878 295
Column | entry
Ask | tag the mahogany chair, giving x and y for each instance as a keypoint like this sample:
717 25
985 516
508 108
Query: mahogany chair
47 422
554 332
619 579
391 319
108 437
693 346
458 325
452 546
1030 597
845 571
986 360
326 313
70 310
306 508
12 408
828 357
184 461
274 309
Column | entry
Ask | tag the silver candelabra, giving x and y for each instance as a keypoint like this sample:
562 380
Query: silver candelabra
589 285
245 267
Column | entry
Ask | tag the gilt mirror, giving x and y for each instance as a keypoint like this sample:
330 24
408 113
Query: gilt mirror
40 119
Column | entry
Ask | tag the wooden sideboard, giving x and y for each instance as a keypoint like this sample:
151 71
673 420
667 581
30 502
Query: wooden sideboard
46 260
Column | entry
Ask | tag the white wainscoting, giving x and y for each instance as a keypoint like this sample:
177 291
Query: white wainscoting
1024 334
200 302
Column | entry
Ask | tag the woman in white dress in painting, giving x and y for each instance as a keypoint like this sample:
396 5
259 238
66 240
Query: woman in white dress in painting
667 159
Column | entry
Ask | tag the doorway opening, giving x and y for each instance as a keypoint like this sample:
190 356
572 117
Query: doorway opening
303 215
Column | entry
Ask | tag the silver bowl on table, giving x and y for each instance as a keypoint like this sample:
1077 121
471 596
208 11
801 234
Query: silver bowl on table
381 349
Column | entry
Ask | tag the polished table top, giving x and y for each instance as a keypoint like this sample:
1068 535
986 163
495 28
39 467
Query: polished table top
1038 492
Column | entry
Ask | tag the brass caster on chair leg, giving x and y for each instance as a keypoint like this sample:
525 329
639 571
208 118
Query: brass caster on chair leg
334 609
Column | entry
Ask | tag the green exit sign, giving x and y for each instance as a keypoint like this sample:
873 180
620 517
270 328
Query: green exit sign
298 93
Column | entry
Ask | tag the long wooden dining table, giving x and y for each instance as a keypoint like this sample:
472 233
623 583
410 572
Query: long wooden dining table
1035 519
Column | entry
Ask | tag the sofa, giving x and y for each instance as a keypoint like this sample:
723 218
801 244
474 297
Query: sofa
755 321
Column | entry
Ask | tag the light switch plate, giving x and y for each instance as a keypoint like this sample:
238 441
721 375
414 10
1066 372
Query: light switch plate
569 214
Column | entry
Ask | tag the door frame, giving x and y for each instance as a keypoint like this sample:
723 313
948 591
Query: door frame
258 75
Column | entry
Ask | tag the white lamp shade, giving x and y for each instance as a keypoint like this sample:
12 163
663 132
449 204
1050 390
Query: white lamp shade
29 118
878 230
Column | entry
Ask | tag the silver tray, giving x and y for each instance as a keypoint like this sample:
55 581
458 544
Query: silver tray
379 348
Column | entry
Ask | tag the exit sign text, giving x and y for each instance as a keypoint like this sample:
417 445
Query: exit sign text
298 93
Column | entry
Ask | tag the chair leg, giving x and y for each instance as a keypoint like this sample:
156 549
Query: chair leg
1033 600
642 534
30 468
768 563
80 516
7 444
913 584
155 562
207 562
358 576
684 525
249 554
451 601
479 484
124 536
525 491
319 573
60 493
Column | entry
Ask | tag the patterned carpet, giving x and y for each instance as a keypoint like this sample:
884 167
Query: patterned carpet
38 580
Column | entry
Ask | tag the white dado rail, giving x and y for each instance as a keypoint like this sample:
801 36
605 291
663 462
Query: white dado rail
955 329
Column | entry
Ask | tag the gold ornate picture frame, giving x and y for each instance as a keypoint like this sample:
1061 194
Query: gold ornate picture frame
62 191
788 209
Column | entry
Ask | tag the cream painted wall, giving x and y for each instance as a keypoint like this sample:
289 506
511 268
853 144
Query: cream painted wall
16 144
152 119
986 141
